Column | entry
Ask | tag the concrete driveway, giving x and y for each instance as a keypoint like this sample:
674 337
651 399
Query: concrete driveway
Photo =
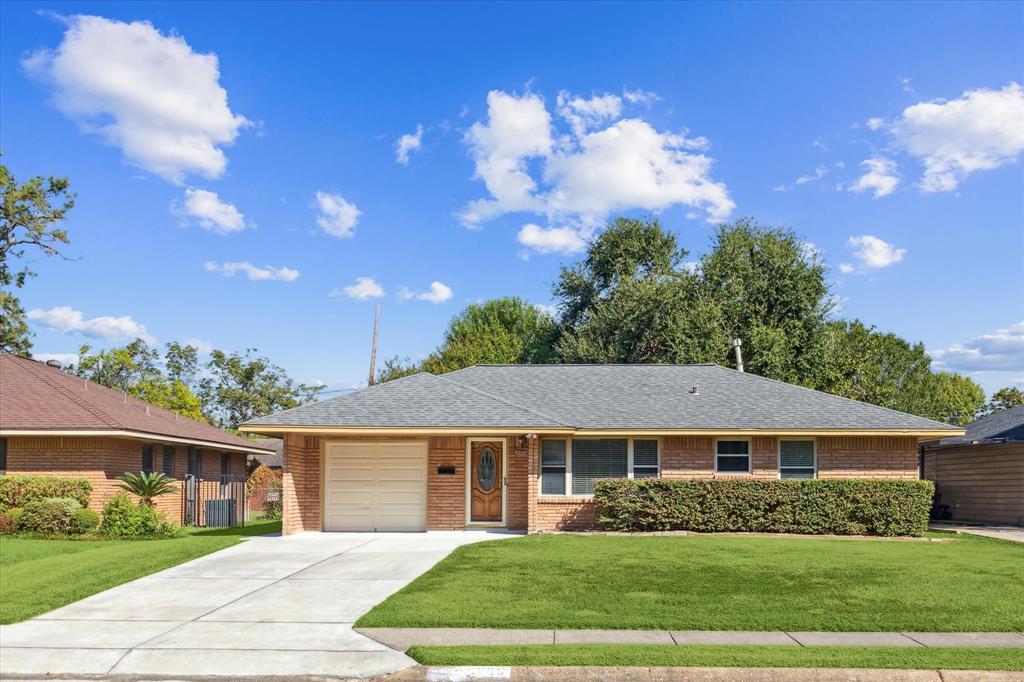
269 606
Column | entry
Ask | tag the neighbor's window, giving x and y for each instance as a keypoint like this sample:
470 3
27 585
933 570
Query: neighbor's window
645 459
168 460
195 461
598 458
147 459
732 456
225 464
552 467
796 459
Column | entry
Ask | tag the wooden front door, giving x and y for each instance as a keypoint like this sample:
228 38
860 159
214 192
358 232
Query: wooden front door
486 480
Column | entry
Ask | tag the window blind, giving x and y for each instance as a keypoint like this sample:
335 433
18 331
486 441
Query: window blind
593 459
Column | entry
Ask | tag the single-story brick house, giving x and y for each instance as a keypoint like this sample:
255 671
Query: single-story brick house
980 476
519 446
56 424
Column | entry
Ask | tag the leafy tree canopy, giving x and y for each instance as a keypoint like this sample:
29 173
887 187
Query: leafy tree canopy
1004 399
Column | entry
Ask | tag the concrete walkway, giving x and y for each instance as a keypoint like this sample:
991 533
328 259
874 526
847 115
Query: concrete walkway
999 532
280 606
403 638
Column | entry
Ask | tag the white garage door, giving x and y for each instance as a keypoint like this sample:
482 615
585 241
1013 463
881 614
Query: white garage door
375 486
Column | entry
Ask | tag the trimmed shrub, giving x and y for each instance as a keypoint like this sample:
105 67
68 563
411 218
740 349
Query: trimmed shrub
10 520
84 521
838 507
18 491
49 515
273 509
123 518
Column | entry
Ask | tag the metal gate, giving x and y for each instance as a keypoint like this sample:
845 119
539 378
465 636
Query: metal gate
214 501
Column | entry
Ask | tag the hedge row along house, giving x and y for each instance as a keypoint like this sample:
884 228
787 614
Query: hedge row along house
520 447
56 424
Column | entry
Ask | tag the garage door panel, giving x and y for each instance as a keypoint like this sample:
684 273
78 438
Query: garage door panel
375 486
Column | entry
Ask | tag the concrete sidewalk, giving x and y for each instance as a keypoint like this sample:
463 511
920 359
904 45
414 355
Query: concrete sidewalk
403 638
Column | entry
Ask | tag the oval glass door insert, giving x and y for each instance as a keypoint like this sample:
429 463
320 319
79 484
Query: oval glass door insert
486 470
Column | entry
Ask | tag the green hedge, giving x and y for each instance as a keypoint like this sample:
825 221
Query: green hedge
840 507
18 491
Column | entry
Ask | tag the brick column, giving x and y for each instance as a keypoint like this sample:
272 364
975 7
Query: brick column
301 484
532 483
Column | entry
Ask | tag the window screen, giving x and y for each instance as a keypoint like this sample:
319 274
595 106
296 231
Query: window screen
593 459
645 459
796 459
168 462
732 456
552 467
147 459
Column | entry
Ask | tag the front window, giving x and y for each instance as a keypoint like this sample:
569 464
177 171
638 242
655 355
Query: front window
645 459
3 454
598 458
552 467
796 459
570 467
732 456
147 459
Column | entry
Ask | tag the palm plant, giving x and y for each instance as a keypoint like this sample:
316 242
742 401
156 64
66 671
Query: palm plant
146 486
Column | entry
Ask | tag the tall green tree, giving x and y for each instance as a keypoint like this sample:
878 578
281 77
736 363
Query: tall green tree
237 388
951 398
630 299
773 295
1004 399
135 370
30 218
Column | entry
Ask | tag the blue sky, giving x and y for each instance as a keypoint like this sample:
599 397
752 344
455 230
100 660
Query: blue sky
239 199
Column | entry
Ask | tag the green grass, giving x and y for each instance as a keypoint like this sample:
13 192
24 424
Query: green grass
707 582
947 658
37 576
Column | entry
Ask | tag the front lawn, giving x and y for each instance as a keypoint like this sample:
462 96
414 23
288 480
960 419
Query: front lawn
709 582
37 576
947 658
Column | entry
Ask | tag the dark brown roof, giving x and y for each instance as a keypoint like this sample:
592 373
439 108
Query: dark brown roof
34 396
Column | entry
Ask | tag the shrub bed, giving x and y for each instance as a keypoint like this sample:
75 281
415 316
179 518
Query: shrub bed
49 515
839 507
19 491
123 518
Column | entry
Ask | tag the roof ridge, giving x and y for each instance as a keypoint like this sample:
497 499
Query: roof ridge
503 401
70 395
837 397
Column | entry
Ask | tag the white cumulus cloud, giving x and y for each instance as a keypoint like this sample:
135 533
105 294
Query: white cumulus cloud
67 320
551 239
880 177
210 212
407 144
269 272
147 93
438 293
364 288
872 253
1000 350
335 215
201 346
603 163
639 96
981 130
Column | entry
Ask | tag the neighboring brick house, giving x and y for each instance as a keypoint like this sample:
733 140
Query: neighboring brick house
519 446
54 423
980 476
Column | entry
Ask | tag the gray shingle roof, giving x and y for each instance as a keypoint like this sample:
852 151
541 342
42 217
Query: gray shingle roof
597 397
1005 424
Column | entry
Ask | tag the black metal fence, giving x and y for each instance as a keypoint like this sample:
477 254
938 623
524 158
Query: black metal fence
214 501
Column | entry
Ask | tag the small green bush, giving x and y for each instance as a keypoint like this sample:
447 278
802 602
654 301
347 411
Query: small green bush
48 515
18 491
123 518
10 520
84 521
838 507
272 509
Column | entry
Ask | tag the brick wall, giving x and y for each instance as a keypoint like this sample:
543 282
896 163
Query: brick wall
301 484
446 493
102 460
694 457
867 457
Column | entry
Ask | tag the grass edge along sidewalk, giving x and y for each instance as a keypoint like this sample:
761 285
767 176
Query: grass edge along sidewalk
37 576
705 656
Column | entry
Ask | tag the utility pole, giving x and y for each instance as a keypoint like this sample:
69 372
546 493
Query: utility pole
373 346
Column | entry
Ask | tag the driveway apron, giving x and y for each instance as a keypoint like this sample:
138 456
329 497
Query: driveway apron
268 606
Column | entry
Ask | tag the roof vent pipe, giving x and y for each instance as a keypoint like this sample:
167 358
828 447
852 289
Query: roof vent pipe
695 390
53 363
736 343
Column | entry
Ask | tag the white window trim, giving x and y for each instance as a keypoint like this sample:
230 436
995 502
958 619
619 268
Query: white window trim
778 454
568 466
750 458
